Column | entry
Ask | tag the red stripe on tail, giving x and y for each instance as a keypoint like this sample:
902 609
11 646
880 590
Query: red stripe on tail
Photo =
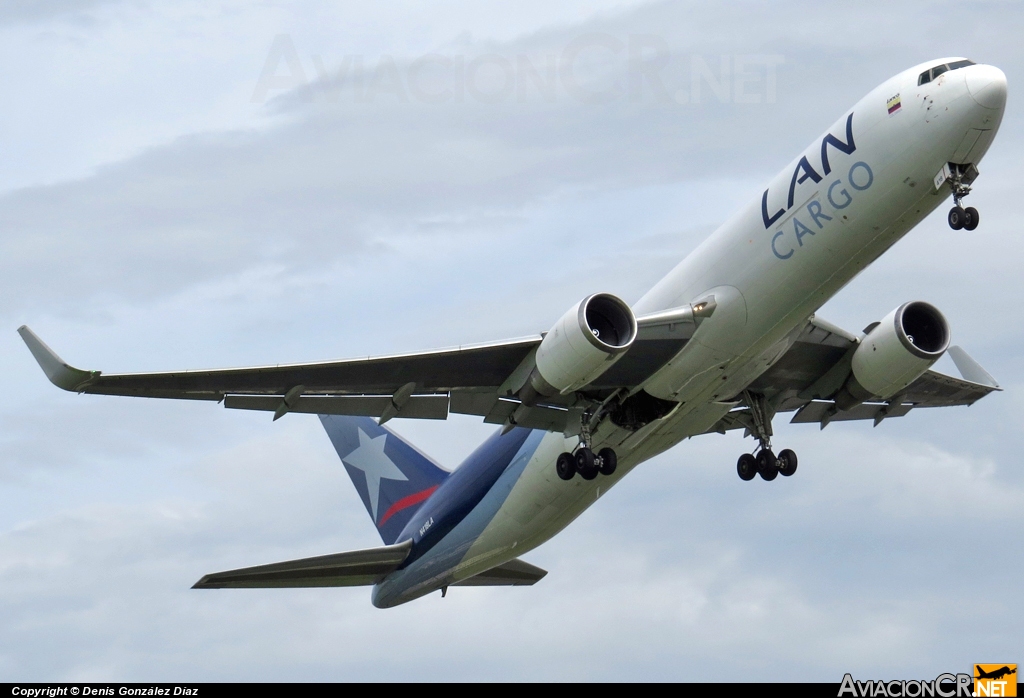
405 503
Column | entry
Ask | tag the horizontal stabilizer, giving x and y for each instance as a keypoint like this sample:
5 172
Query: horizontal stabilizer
514 573
355 568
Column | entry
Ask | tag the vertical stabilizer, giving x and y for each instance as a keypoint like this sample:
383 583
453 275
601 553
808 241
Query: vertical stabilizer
391 476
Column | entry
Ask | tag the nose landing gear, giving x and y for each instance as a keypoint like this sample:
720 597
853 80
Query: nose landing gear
966 218
959 178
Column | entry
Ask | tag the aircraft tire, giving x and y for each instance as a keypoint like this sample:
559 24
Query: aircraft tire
609 461
586 466
767 465
787 462
956 218
970 218
746 467
565 466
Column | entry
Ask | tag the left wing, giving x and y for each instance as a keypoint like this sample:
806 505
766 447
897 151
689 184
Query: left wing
471 379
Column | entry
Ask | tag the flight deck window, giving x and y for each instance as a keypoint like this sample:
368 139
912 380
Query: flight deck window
929 75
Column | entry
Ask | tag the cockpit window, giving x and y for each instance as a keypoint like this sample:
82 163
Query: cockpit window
929 75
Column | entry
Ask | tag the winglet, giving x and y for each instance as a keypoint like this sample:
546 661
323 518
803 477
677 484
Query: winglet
970 369
60 374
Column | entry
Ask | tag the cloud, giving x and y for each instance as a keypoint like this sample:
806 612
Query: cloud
680 568
19 11
333 177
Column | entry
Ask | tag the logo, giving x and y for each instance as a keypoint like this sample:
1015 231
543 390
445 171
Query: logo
369 457
988 680
789 236
995 679
894 104
942 686
804 171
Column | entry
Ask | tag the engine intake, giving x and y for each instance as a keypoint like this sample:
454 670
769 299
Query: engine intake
582 345
895 353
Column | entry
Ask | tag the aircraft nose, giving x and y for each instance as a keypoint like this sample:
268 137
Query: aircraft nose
987 85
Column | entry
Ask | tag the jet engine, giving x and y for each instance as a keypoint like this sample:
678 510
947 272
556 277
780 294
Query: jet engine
581 346
895 352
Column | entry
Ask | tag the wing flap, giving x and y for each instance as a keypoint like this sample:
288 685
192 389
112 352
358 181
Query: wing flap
417 407
935 389
817 412
513 573
354 568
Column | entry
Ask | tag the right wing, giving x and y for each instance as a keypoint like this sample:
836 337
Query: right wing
816 366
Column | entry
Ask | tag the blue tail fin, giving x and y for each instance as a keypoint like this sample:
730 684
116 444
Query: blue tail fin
391 476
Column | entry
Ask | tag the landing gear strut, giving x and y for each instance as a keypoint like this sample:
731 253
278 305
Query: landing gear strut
765 463
960 217
583 460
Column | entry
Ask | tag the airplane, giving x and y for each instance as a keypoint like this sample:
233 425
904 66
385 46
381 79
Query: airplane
727 340
995 674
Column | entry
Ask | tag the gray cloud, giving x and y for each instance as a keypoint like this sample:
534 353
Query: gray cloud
337 174
19 11
835 571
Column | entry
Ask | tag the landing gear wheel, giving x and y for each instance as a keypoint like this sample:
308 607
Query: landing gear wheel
746 467
787 462
970 218
586 466
609 461
767 465
957 217
565 466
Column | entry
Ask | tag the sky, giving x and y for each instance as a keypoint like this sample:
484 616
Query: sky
208 184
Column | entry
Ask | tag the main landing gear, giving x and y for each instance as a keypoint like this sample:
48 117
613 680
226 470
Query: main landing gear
960 217
586 463
765 463
583 460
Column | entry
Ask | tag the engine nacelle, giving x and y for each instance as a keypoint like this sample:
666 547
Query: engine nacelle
895 353
581 346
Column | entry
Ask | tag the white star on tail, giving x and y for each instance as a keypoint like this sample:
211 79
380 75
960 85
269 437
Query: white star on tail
370 458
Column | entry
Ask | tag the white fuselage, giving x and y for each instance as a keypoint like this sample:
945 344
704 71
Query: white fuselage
768 280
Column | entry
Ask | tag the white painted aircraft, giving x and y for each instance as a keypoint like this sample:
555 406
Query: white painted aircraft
726 340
